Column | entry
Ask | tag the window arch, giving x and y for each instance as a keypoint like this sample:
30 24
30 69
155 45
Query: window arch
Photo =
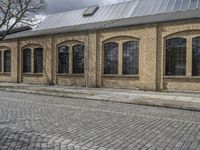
27 60
38 60
78 59
196 56
63 59
7 61
176 56
131 58
111 58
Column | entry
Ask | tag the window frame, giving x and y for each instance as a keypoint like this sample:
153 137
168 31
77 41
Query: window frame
57 50
32 47
35 71
70 44
23 61
138 59
118 49
5 67
165 58
83 69
120 40
2 59
198 49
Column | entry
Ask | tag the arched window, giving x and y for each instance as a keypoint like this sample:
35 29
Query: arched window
38 60
131 58
7 61
78 58
63 59
111 58
176 57
196 56
26 60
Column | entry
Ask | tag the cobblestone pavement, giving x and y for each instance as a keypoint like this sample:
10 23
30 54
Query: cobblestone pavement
43 122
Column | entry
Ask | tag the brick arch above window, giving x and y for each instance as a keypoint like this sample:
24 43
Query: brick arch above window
122 39
183 34
32 46
4 48
69 43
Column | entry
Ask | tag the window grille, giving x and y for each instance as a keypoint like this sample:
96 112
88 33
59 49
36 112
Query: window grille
176 57
131 58
27 60
111 58
38 60
63 59
78 59
7 61
196 56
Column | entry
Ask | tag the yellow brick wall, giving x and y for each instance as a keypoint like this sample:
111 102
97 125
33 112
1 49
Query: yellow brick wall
151 58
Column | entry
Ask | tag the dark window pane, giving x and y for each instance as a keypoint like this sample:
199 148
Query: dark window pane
27 60
196 56
131 57
38 60
7 61
176 56
78 59
111 58
0 61
63 59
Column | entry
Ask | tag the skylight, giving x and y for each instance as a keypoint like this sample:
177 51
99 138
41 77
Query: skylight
91 11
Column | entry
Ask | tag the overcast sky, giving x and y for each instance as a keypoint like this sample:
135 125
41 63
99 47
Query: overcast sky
55 6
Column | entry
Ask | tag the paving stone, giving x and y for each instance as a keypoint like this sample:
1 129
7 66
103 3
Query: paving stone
34 122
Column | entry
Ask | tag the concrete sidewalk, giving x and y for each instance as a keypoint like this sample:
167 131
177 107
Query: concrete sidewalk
188 101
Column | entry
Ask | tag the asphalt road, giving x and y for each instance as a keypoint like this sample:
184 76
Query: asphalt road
43 122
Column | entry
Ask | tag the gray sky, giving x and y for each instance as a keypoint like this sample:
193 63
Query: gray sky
55 6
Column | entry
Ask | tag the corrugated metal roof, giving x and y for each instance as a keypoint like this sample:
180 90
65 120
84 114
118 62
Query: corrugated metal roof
121 14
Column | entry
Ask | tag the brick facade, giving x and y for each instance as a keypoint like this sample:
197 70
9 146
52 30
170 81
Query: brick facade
151 58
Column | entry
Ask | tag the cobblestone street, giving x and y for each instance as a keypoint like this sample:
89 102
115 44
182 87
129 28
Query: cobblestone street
44 122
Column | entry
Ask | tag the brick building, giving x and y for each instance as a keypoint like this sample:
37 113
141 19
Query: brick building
139 44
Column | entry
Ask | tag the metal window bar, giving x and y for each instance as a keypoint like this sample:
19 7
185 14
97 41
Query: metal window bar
131 58
7 61
196 56
63 59
38 60
176 57
111 58
27 60
78 59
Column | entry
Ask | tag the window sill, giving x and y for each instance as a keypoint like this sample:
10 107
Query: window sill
5 74
65 74
125 76
181 77
32 74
